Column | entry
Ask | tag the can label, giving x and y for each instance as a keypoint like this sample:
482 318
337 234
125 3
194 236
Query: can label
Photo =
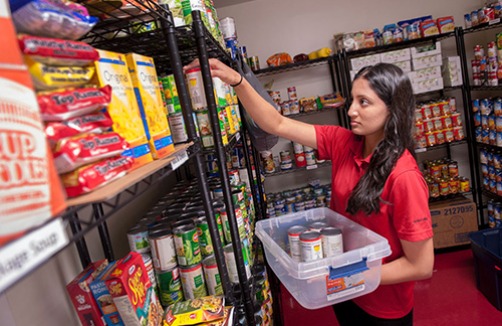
212 276
138 241
205 243
163 252
310 246
332 243
231 264
178 129
196 89
186 241
294 241
192 281
170 286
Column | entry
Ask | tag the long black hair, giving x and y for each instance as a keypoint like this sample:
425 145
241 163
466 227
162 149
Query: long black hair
393 87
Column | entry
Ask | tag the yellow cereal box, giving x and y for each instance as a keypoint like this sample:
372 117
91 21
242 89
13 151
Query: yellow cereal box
112 69
147 91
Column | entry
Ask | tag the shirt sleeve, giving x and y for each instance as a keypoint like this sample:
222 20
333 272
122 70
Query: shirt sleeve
330 140
410 206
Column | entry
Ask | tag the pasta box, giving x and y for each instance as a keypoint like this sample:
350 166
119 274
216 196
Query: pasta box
104 299
133 293
81 295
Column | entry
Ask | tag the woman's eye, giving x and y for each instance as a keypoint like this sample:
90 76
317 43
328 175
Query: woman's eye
364 102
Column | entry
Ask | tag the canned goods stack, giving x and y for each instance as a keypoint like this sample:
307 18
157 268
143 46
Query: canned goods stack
182 14
487 116
231 42
491 170
438 122
483 15
494 209
315 241
262 296
487 66
297 200
443 178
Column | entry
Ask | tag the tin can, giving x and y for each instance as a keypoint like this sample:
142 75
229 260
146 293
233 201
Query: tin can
218 207
438 124
205 242
286 108
163 250
292 93
297 147
294 241
436 110
465 185
169 283
254 63
332 241
275 95
426 111
196 89
286 165
268 161
178 129
192 281
231 264
227 26
454 185
449 135
205 130
285 156
186 242
429 125
317 226
310 246
492 137
234 177
479 52
467 21
300 160
310 158
212 276
137 237
453 169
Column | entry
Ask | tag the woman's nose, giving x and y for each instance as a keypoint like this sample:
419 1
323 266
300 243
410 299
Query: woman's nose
352 111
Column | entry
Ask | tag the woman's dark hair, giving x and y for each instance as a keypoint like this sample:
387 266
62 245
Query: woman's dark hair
393 87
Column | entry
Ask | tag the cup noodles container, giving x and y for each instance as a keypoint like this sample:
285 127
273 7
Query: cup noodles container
133 293
81 295
30 190
112 69
147 91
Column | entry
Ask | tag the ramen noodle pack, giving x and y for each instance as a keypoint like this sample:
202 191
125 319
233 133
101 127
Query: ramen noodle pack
195 311
147 91
66 104
30 190
52 18
91 123
92 176
81 296
71 153
57 52
133 293
46 77
112 69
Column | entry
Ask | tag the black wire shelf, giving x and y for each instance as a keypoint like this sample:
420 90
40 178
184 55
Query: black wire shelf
400 45
297 169
318 111
496 23
441 146
486 88
440 91
449 197
488 146
292 66
491 195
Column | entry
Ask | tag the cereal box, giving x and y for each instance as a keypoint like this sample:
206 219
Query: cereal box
133 294
111 69
104 299
30 190
81 296
147 91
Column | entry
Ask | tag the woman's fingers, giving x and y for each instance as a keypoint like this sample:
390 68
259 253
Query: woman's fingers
191 65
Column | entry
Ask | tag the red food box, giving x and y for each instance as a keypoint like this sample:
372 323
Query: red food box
133 293
81 295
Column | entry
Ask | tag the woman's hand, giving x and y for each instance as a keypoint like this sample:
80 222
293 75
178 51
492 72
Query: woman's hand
218 69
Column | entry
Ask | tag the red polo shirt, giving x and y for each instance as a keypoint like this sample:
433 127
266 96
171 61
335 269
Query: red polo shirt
404 211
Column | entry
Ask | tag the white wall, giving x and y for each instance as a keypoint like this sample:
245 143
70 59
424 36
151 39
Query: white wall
265 27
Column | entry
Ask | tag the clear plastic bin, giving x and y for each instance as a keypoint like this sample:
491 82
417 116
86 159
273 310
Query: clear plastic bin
330 280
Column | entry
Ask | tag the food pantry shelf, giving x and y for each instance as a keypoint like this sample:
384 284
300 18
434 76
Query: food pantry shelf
303 114
486 88
400 45
292 66
488 146
491 195
496 23
296 169
442 146
439 91
449 197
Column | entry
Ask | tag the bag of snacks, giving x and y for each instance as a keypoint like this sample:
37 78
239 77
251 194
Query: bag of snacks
52 18
71 153
47 77
57 52
279 59
92 176
95 123
67 104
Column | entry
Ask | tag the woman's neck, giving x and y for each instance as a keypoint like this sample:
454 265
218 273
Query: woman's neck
370 143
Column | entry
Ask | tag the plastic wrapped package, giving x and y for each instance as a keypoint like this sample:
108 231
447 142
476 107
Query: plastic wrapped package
92 123
47 77
279 59
51 18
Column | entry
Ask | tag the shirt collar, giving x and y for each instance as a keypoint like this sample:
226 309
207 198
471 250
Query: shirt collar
357 152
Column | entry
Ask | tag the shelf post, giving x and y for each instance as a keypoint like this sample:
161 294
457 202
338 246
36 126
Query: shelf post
83 252
104 235
199 30
177 66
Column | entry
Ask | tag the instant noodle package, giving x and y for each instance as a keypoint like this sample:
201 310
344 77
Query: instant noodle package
112 69
147 91
30 190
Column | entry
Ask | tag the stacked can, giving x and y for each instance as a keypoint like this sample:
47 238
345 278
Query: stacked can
310 157
173 107
300 159
286 162
438 122
297 200
442 177
262 296
491 169
494 209
267 161
487 116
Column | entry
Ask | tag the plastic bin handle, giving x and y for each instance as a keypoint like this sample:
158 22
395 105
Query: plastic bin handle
348 270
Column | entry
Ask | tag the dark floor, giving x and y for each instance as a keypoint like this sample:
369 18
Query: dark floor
450 298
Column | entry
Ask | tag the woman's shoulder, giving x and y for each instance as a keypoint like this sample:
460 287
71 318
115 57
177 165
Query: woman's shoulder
405 164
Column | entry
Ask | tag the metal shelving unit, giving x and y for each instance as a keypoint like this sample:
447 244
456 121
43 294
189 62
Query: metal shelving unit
297 169
292 66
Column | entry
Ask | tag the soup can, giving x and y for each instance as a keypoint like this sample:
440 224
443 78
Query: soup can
169 283
186 241
196 89
137 237
332 241
294 241
192 281
163 250
212 276
310 246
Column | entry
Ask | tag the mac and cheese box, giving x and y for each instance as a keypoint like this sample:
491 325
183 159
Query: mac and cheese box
112 69
104 299
147 92
30 189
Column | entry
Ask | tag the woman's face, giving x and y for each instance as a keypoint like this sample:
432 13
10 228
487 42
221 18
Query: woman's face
368 113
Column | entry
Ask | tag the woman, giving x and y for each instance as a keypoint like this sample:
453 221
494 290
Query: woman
375 181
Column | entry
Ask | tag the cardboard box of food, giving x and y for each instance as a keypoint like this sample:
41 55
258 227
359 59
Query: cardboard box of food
396 56
424 51
368 60
427 61
452 221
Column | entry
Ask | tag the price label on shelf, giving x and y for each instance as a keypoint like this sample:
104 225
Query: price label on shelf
23 255
238 136
421 150
494 21
180 158
311 167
